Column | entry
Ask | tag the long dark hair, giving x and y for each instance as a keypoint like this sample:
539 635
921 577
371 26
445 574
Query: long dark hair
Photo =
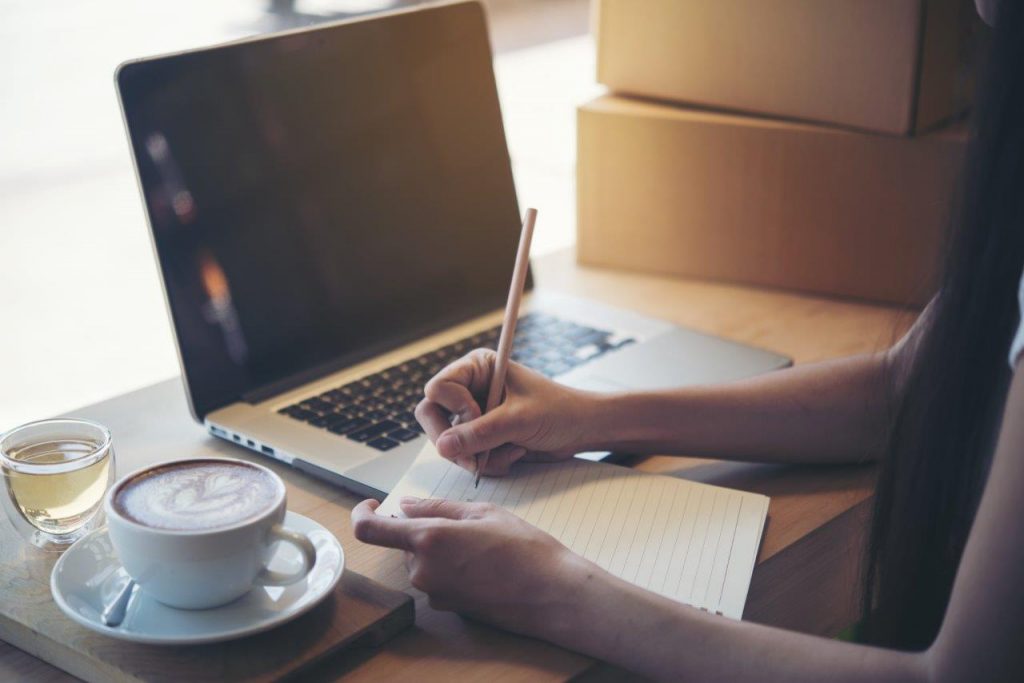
943 433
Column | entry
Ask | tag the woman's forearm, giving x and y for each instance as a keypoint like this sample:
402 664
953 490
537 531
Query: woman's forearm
620 623
829 412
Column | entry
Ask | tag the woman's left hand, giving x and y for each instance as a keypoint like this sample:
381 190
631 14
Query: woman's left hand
479 560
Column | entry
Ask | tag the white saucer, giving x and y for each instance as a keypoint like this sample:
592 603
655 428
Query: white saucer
88 576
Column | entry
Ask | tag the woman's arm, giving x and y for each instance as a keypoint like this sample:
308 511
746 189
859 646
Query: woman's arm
617 622
830 412
981 639
484 562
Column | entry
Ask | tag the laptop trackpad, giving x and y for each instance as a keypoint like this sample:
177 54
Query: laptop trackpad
676 358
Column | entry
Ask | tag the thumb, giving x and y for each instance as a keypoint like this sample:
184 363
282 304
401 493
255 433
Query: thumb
433 507
476 436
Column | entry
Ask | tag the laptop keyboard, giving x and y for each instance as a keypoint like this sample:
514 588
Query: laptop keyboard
377 410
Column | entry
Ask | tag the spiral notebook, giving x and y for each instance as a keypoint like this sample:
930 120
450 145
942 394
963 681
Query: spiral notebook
691 542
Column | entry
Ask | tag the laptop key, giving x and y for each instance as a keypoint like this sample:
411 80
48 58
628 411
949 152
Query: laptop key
405 418
382 443
594 337
367 433
346 426
558 368
387 391
340 415
403 434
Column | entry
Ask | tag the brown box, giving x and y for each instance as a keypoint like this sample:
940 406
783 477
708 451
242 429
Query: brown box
895 66
686 192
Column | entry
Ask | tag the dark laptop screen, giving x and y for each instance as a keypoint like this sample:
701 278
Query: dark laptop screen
320 196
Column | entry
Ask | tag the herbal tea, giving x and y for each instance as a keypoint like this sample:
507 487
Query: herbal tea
59 501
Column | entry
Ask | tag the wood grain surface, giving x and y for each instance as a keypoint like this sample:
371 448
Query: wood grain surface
807 567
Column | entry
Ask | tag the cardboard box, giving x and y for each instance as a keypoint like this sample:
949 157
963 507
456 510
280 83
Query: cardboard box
825 210
894 66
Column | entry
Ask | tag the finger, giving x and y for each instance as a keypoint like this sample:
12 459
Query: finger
434 507
502 458
468 462
372 528
453 396
472 372
433 418
487 432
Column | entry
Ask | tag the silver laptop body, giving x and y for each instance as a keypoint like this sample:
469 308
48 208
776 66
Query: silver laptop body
334 218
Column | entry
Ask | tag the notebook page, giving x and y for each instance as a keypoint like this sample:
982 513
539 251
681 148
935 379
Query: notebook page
691 542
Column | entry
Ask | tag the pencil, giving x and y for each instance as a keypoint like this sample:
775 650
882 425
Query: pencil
496 391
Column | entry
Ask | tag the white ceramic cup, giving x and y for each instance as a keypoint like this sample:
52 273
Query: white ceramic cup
198 569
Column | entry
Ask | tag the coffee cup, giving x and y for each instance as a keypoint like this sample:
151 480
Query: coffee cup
196 534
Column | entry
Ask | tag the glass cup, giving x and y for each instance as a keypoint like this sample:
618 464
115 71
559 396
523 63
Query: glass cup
56 473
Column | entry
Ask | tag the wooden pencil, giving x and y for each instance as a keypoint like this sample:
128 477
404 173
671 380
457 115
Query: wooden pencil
496 391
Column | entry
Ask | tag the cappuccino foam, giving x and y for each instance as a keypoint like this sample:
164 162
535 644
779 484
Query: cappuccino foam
189 496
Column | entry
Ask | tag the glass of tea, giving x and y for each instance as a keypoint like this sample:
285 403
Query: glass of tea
56 473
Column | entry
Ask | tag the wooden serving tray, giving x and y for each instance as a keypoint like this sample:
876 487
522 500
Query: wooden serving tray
359 612
151 426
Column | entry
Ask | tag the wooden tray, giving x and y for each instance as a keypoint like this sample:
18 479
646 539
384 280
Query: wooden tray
148 427
360 612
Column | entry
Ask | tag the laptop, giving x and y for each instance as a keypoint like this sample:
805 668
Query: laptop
334 218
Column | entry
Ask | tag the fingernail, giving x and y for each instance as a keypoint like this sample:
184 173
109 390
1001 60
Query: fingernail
448 444
408 500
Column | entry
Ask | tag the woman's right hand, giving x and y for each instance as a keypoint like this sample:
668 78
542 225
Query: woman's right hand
539 420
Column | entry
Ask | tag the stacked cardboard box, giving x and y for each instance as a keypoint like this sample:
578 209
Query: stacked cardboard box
839 183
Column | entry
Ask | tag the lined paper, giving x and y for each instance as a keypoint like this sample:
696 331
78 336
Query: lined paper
691 542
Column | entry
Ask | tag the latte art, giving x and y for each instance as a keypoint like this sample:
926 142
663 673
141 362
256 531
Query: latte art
192 496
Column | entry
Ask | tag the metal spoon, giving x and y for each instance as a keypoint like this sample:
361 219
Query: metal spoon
113 613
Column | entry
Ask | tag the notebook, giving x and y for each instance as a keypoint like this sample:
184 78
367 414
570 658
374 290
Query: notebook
691 542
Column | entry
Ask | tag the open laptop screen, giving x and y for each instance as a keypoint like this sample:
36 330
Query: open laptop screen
321 196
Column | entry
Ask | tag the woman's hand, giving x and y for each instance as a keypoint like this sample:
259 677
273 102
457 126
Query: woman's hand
480 561
539 419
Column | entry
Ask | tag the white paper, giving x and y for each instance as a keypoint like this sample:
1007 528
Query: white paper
691 542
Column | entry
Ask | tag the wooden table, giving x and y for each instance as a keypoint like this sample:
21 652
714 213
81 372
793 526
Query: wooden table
807 569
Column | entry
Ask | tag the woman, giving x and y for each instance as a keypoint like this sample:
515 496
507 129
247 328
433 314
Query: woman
941 411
